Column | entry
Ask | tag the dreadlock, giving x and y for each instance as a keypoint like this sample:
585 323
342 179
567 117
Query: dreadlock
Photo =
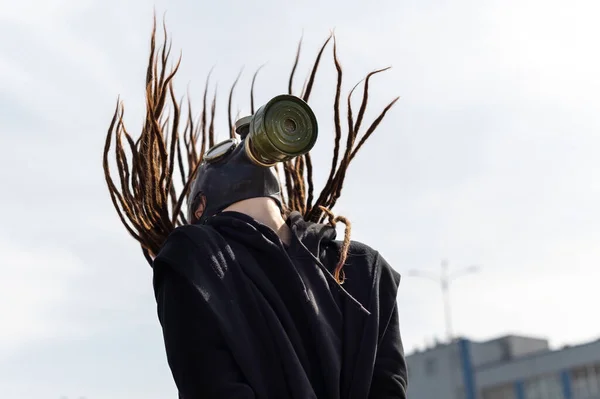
145 195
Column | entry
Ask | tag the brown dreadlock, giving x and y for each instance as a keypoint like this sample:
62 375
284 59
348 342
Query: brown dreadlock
147 201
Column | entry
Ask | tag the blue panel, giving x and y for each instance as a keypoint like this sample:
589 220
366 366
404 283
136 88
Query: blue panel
464 347
519 390
565 378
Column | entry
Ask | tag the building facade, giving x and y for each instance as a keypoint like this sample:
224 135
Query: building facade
510 367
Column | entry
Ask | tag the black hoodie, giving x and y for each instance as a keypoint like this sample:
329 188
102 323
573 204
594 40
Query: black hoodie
243 316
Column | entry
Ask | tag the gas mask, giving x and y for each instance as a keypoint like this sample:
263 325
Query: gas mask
241 168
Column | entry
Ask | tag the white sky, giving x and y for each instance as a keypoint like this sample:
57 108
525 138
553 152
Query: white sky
489 158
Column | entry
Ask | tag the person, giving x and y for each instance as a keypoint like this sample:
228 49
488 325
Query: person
255 295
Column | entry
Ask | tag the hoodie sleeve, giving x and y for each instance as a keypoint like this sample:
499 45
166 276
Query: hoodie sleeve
199 359
390 378
390 375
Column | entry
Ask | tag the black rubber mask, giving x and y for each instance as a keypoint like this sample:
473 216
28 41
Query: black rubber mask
231 178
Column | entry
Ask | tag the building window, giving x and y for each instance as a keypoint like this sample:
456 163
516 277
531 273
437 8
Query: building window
544 387
585 381
499 392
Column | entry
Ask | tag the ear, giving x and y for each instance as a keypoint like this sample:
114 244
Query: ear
200 209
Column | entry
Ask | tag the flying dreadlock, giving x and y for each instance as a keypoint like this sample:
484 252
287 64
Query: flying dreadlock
145 195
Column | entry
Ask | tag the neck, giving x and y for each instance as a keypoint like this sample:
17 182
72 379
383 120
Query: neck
264 210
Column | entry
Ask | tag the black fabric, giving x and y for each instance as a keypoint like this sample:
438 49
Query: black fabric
245 317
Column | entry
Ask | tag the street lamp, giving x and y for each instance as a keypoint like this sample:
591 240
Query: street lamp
444 280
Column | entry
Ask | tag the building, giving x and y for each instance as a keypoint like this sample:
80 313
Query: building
510 367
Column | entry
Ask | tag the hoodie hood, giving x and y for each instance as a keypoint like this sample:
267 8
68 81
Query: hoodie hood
313 236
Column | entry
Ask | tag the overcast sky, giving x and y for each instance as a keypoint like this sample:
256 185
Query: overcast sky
489 157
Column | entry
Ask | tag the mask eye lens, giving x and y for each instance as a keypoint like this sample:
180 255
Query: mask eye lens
218 151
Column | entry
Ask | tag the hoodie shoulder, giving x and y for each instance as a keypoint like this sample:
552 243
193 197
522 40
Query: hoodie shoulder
372 257
364 268
181 244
